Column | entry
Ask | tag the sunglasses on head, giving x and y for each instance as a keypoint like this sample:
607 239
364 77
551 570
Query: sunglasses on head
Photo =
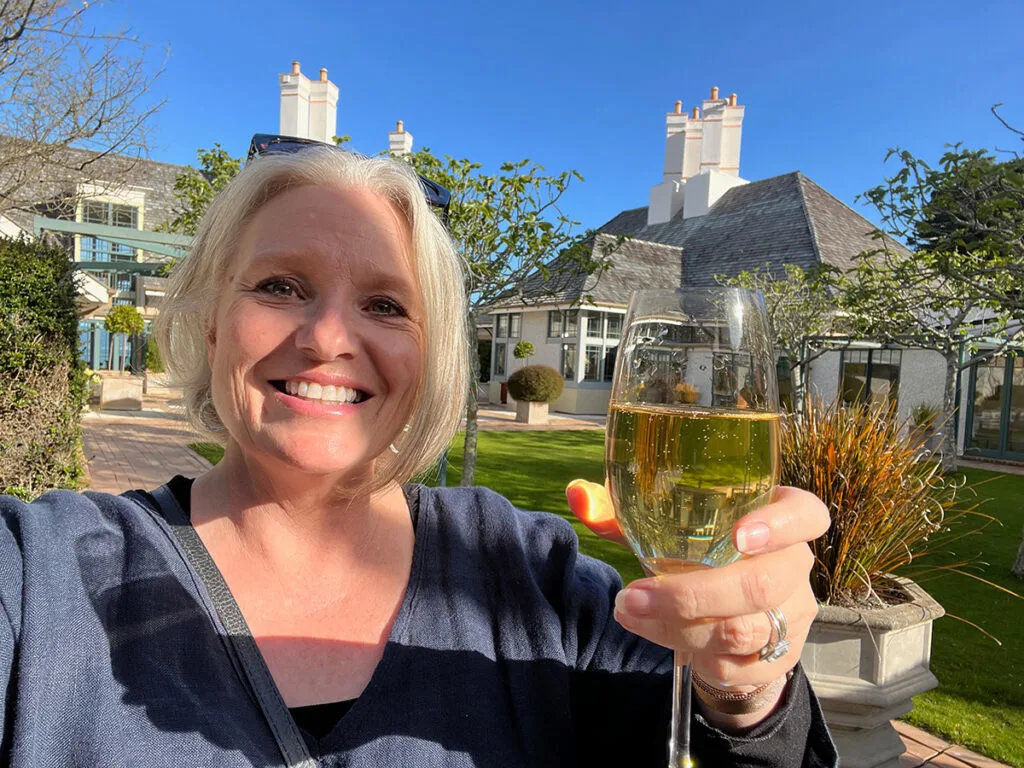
269 144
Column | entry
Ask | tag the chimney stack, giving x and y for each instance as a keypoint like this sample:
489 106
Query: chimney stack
399 141
309 110
702 158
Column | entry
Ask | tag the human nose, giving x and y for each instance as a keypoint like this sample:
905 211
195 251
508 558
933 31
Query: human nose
328 332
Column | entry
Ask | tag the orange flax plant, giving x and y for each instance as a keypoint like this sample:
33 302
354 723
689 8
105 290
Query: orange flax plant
890 504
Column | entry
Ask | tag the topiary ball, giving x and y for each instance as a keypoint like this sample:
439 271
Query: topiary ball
536 384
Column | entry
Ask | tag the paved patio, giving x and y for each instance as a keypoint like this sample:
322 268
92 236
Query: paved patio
144 449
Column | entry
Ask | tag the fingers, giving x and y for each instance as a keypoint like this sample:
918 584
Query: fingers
748 586
593 507
725 651
793 516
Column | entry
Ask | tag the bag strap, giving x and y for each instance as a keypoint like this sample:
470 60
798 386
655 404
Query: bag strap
240 640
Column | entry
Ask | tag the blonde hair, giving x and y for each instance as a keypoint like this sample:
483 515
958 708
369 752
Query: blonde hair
187 311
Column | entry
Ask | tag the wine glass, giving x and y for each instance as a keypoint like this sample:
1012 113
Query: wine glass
692 443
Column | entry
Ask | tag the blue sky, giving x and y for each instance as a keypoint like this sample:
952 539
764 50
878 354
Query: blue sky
828 87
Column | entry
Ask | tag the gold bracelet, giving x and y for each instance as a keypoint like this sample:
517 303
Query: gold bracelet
732 703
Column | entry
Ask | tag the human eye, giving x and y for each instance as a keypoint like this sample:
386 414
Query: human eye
279 287
386 307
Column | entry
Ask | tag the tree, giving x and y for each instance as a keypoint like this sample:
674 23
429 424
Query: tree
73 100
960 291
523 351
506 226
801 308
195 188
124 320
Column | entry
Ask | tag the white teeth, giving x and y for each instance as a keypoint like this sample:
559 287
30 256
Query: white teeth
327 393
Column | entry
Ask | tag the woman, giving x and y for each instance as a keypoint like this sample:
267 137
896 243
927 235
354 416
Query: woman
318 330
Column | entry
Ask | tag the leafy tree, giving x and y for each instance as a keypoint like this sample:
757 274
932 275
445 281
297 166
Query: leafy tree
73 99
195 188
960 290
801 308
124 320
506 226
523 351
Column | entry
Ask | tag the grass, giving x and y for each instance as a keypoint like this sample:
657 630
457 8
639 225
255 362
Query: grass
980 699
212 452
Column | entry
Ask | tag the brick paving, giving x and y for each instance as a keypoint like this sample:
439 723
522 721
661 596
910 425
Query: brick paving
144 449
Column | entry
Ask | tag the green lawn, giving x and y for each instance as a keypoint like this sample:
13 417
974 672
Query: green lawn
980 699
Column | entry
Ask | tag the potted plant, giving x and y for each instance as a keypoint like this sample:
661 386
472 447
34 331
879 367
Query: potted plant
869 649
523 351
533 387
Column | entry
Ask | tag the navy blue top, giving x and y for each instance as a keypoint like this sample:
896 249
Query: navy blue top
504 653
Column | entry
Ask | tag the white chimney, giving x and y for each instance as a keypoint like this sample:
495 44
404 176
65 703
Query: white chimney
323 109
309 110
399 141
697 147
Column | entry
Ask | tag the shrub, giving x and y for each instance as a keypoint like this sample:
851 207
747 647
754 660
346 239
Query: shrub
536 384
153 362
523 350
889 505
42 384
924 416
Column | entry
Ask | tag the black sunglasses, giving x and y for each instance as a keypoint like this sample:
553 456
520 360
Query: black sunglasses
269 144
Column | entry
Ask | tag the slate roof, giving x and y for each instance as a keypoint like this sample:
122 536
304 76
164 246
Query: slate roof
785 219
635 262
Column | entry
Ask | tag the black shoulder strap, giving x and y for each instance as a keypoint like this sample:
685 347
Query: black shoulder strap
240 640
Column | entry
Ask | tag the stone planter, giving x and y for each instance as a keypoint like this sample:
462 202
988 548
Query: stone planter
119 393
865 666
531 413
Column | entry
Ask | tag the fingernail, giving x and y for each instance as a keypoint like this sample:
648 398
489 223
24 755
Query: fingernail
751 537
634 601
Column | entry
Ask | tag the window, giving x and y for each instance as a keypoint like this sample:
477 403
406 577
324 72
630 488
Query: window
870 376
563 323
569 361
610 354
499 358
515 325
613 326
111 214
592 369
501 326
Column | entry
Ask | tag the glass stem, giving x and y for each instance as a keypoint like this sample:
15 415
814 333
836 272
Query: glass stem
679 743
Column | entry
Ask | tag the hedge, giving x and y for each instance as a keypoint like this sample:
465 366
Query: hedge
42 384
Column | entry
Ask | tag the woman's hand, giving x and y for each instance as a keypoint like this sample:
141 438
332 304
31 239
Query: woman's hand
718 614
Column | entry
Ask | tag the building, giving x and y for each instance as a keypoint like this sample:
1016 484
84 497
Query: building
104 218
703 221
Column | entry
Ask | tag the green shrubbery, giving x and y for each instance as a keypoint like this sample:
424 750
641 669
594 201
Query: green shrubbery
42 384
536 384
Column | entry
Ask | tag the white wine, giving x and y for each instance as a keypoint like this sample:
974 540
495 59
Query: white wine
680 477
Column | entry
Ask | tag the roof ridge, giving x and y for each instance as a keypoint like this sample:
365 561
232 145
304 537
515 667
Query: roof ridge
807 216
849 208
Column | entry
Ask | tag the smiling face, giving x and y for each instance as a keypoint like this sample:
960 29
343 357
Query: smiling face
316 348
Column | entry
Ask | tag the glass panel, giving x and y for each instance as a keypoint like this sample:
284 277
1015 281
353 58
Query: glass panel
613 329
569 361
988 404
1015 424
515 325
501 324
885 377
609 363
572 323
554 324
499 358
592 364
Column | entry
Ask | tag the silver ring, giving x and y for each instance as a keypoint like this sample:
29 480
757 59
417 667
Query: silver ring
777 645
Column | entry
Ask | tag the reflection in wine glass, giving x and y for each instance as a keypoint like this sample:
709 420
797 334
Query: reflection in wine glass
692 441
